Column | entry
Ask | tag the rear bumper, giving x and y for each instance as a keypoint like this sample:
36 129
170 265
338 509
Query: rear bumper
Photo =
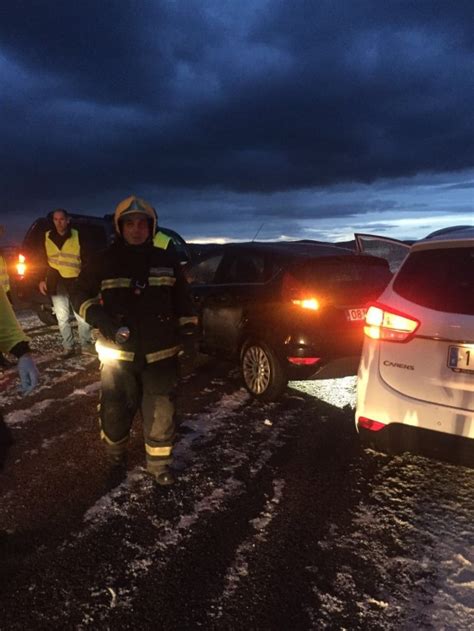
339 354
407 423
331 369
397 438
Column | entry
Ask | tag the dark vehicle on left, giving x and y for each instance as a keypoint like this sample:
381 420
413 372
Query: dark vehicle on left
286 310
97 232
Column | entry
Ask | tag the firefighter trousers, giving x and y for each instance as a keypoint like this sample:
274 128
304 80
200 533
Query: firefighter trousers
127 389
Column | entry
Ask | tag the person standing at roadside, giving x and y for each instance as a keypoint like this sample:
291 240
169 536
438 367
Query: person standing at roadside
136 295
64 255
5 283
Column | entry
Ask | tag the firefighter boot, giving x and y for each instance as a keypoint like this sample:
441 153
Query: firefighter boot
117 467
161 473
116 455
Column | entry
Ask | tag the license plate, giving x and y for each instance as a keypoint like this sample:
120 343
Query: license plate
461 358
355 314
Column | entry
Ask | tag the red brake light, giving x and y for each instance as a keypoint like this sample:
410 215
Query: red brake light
304 361
368 423
299 295
383 323
21 265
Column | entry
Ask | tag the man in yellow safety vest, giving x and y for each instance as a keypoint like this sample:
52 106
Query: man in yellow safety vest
64 254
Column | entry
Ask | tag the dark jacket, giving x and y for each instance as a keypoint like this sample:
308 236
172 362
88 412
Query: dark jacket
141 288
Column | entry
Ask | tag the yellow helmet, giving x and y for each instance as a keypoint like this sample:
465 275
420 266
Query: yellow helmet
134 205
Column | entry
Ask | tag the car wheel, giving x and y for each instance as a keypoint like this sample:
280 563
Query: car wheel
262 371
46 315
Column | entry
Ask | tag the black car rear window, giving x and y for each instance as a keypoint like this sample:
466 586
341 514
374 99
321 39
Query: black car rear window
441 279
344 273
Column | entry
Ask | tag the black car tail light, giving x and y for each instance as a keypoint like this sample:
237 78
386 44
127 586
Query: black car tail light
304 361
21 266
298 294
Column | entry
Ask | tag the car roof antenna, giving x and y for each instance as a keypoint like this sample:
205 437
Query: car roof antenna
256 234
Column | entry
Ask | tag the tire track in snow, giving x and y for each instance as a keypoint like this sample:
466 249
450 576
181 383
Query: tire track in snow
239 568
132 505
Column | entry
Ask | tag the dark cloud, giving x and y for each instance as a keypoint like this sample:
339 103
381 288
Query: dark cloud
100 98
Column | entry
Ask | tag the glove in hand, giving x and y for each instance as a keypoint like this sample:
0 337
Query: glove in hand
29 376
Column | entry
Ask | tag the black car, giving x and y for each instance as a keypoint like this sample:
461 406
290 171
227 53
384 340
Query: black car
97 232
286 310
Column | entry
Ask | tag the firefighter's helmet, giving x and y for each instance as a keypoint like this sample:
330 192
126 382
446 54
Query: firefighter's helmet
134 205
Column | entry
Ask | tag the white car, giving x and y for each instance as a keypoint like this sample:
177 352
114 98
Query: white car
416 375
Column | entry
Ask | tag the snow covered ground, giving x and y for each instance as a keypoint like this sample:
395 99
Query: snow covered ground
412 532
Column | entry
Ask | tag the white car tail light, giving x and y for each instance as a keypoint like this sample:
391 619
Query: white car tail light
370 424
383 323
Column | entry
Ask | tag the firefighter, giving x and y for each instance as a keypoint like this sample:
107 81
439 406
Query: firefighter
136 295
13 340
64 254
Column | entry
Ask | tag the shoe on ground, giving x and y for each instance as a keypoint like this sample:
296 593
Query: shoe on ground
162 475
67 353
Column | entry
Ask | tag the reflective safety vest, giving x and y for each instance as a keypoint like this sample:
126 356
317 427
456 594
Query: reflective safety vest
10 331
4 279
67 260
161 240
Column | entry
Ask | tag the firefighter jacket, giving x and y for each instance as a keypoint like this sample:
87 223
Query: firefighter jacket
141 288
12 338
4 278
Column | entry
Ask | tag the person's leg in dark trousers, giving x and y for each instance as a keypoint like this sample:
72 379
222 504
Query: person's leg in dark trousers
120 397
159 380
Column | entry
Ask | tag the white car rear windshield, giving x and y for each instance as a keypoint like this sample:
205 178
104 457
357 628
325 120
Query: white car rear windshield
442 279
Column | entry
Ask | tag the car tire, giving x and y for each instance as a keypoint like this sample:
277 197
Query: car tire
262 371
46 315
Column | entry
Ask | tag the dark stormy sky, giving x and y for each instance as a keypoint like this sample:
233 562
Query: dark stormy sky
304 119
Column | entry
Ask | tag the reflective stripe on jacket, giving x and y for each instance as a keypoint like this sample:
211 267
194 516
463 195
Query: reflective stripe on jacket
67 260
142 288
161 240
4 278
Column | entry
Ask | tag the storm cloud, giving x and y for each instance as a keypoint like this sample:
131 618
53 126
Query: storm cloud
262 101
